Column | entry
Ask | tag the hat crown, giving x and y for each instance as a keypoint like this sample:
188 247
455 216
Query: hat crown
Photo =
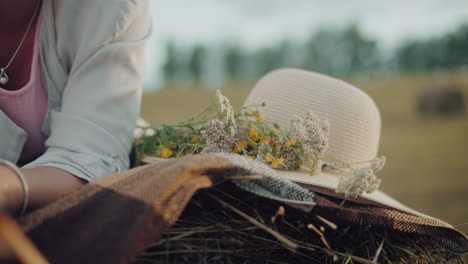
353 116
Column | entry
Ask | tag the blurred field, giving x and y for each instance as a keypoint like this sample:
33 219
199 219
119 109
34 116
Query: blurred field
427 165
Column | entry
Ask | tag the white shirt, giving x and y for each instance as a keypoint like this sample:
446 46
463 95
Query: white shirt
93 64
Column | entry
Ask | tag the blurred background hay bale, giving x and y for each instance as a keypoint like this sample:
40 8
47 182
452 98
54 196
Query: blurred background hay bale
441 99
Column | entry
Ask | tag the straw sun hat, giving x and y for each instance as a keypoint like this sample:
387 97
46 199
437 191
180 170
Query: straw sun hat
354 125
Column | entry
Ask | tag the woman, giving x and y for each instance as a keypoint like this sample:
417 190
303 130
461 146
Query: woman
70 86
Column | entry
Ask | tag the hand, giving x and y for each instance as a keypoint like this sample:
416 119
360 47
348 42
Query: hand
5 249
41 192
14 244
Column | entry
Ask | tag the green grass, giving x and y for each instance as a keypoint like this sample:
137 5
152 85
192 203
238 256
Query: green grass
427 165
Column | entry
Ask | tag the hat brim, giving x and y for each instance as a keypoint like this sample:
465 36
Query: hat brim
326 182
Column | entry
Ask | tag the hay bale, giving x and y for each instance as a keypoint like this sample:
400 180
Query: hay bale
208 232
441 100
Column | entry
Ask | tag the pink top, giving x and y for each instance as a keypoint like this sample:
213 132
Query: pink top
27 106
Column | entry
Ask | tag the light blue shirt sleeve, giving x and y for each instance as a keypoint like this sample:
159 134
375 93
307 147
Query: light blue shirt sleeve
91 134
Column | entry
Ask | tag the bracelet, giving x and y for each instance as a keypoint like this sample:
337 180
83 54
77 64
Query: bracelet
20 175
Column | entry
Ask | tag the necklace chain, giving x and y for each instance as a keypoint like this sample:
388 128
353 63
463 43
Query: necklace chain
3 75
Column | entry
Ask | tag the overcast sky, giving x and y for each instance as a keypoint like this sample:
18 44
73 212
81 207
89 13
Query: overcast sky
255 23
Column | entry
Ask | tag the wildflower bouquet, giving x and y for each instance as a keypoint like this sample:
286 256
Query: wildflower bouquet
218 128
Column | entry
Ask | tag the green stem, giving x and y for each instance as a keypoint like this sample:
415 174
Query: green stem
313 170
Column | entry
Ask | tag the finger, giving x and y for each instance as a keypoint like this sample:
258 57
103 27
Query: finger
19 244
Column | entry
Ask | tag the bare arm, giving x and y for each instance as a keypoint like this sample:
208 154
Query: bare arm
46 184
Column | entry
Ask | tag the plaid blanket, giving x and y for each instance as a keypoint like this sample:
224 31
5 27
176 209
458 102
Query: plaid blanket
114 218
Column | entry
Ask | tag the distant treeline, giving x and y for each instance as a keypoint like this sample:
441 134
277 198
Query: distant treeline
330 50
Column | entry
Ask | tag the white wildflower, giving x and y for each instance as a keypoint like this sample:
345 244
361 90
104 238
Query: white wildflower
298 128
138 133
313 134
227 112
150 132
363 180
142 123
216 137
378 163
143 128
318 131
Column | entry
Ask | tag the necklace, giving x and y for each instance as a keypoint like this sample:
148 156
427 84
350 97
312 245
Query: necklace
3 75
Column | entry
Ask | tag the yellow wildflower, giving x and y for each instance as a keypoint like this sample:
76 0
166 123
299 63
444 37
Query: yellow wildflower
240 146
291 142
252 157
266 140
254 135
195 140
275 162
277 149
255 114
259 117
237 148
166 153
269 158
244 144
